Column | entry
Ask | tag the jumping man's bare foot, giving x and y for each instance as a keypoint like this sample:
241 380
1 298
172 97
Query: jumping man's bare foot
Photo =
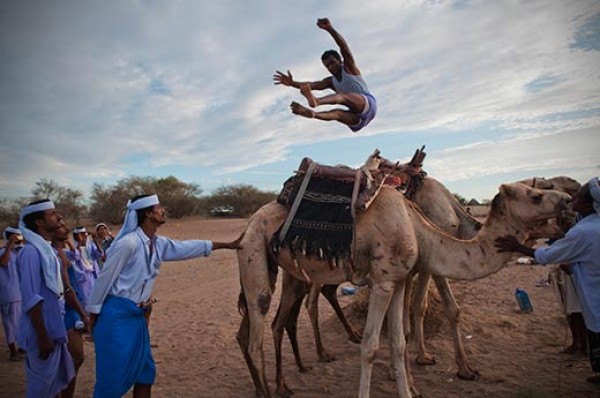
307 93
301 110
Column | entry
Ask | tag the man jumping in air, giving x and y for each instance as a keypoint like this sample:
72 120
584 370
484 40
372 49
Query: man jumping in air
347 82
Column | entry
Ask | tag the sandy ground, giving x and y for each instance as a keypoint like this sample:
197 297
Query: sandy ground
195 322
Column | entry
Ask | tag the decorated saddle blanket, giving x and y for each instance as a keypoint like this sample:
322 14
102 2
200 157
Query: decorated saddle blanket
322 226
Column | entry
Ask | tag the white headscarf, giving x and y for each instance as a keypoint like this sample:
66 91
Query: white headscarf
51 266
85 249
131 220
10 230
79 230
595 192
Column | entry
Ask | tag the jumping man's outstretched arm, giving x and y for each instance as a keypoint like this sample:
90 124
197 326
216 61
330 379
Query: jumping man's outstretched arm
349 64
288 80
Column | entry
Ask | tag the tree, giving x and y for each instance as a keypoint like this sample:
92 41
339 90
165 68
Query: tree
242 199
180 198
68 201
461 199
108 203
10 210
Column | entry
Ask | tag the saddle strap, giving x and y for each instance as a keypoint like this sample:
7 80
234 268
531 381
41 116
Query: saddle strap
355 190
297 200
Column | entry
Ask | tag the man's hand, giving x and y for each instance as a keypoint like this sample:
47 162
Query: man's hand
324 24
233 245
566 268
236 244
91 322
507 243
281 78
46 347
14 240
69 244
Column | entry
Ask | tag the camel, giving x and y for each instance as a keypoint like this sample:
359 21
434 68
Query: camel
391 238
441 208
553 228
559 183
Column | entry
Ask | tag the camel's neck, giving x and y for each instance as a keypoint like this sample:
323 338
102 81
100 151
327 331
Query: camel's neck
449 257
468 226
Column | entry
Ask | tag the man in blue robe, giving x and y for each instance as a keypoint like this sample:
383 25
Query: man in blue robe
579 250
121 296
42 333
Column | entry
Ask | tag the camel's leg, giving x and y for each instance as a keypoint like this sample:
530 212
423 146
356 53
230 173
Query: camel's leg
292 293
419 309
243 339
312 306
406 320
397 340
256 287
291 327
465 371
379 300
330 293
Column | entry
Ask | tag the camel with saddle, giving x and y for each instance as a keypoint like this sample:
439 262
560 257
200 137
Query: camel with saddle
442 208
391 237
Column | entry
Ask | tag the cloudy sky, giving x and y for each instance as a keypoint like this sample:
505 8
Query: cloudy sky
98 91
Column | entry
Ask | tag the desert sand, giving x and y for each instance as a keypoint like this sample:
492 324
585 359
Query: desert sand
195 322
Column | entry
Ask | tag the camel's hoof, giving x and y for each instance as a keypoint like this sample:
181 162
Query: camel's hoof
326 357
468 375
426 360
284 392
304 369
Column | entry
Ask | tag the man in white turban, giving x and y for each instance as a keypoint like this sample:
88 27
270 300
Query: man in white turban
42 334
580 249
121 295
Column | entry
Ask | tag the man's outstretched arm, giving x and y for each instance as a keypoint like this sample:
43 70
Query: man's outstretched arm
349 63
288 80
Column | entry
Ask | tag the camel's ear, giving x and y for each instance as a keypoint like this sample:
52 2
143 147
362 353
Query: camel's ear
507 191
542 183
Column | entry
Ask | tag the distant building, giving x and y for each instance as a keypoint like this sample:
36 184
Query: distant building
473 202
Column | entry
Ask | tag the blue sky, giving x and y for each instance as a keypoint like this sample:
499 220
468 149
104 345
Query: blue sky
98 91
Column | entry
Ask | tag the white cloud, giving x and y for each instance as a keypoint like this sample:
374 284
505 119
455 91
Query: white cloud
90 88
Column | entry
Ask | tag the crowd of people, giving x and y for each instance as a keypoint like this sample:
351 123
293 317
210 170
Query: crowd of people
57 286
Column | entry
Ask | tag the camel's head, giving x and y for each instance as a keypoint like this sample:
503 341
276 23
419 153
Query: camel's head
560 183
529 206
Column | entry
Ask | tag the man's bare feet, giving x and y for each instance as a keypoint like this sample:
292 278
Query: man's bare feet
301 110
307 93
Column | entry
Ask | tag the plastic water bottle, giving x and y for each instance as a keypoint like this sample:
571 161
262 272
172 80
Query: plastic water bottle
523 301
348 290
